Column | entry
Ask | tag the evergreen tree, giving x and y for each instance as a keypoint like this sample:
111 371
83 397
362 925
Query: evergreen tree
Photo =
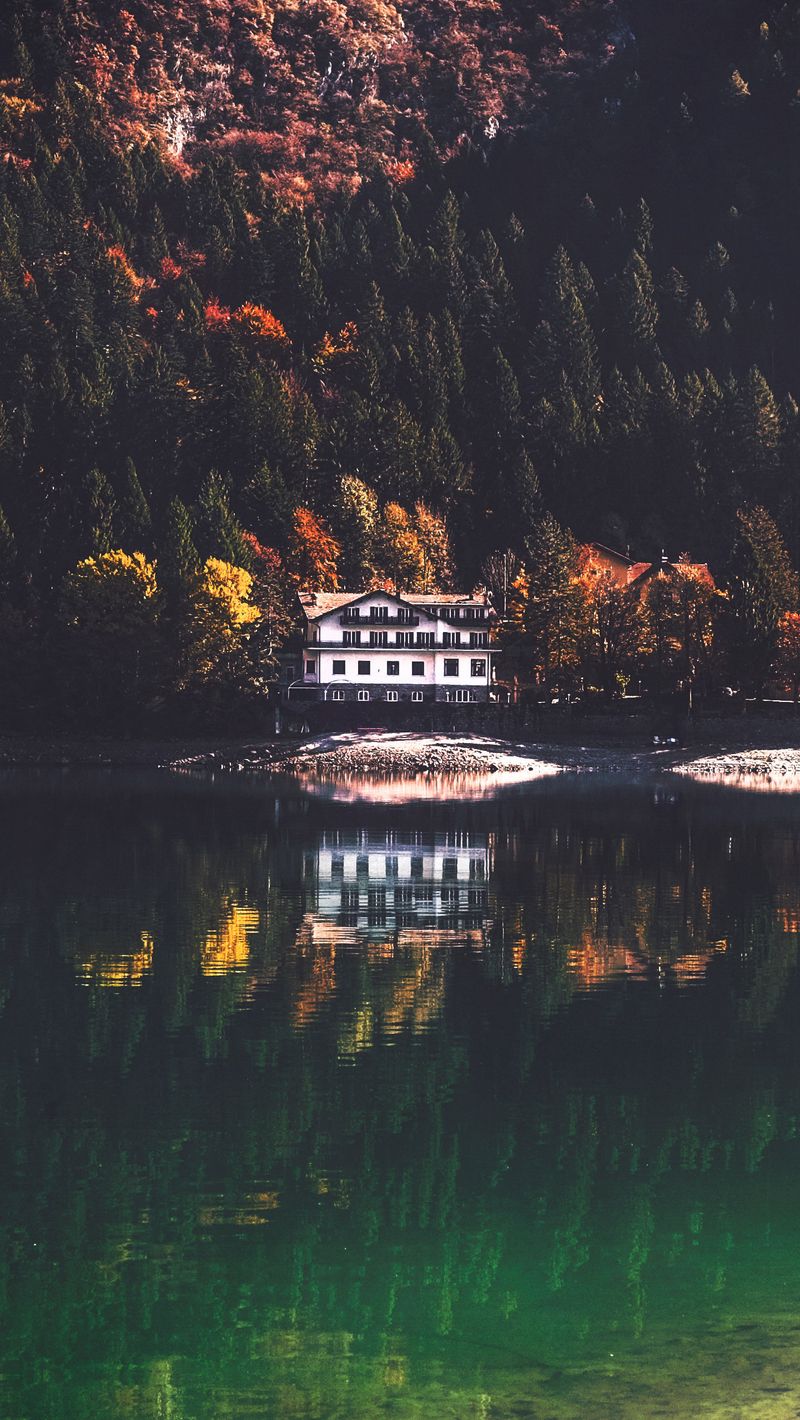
763 588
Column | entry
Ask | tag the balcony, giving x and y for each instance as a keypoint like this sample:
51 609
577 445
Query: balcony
376 623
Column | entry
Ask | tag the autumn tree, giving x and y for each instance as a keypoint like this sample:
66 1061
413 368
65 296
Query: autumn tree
611 630
222 618
401 558
434 539
314 553
110 661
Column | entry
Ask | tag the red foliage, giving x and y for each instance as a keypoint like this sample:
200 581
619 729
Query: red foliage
170 270
217 316
315 91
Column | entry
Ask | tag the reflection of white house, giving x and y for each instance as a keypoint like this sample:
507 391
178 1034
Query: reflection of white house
368 885
383 646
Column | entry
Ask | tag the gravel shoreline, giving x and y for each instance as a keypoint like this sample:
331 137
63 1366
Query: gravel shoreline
382 756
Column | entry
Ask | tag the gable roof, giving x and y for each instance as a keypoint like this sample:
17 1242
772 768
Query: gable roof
317 604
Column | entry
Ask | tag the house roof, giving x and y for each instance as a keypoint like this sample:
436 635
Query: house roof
611 552
317 604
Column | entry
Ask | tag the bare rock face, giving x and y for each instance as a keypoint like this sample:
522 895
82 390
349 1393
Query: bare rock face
315 90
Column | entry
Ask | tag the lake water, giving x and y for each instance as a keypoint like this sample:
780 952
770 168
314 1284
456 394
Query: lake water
344 1110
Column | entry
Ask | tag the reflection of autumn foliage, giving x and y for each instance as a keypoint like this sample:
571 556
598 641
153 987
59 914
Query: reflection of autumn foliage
227 948
117 970
311 90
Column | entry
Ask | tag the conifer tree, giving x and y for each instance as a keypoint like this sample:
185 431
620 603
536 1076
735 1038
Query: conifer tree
763 588
547 606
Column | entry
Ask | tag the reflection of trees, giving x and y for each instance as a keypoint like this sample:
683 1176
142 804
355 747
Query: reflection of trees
283 1163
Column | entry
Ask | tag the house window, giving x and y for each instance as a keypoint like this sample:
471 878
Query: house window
379 638
338 667
417 667
392 667
364 667
337 695
379 613
451 638
424 638
310 667
404 638
451 667
391 695
416 695
477 638
352 638
363 695
478 668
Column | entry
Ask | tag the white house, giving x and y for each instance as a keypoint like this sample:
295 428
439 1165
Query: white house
385 646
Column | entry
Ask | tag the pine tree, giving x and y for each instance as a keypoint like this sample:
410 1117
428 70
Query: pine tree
136 524
763 588
220 532
549 605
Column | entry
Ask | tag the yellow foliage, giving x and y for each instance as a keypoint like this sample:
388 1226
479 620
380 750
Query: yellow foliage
111 589
228 590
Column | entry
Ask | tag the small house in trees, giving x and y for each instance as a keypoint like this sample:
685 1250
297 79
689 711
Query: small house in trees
627 573
382 645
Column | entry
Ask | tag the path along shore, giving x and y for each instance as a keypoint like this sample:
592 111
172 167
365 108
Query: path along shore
381 755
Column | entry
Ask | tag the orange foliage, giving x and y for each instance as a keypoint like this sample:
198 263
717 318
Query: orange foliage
119 256
313 553
332 347
258 321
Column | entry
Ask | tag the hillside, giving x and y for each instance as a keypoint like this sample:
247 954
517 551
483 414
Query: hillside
592 313
317 92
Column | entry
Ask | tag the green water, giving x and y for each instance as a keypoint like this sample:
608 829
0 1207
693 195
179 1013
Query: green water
315 1109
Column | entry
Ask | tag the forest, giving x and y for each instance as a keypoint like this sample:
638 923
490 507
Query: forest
381 293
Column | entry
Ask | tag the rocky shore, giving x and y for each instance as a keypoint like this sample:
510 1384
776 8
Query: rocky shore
425 760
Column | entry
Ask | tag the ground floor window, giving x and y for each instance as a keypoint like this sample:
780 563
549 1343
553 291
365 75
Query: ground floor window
338 667
391 695
337 695
416 695
310 667
460 696
363 695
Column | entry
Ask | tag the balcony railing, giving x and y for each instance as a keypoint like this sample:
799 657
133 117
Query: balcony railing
375 623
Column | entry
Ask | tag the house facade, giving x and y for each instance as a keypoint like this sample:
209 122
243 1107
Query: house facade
382 645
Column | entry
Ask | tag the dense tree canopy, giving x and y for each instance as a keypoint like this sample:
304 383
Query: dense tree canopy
588 310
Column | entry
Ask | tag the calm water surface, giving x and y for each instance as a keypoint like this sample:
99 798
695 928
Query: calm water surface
319 1109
